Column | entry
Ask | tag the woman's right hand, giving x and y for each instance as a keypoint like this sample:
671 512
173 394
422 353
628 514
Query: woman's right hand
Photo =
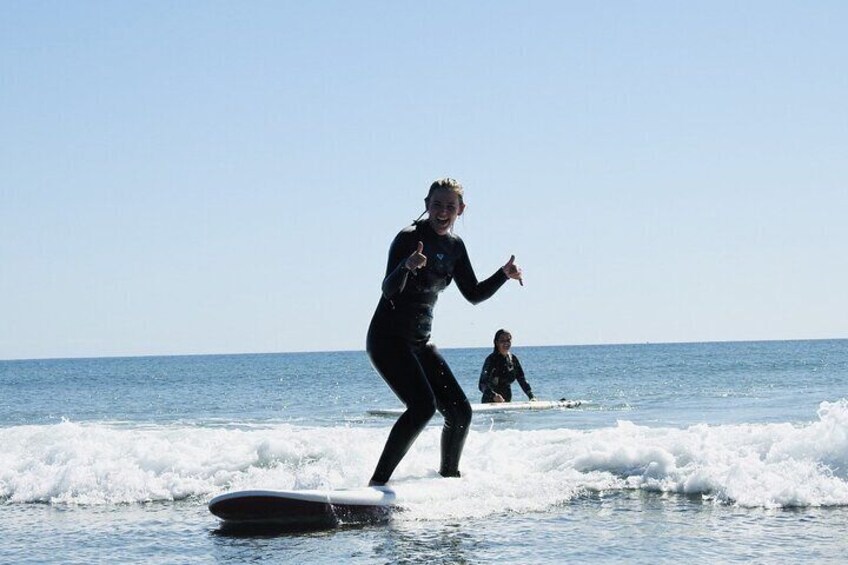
417 259
498 398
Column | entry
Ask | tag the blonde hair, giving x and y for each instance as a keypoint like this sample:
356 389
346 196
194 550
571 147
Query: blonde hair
446 184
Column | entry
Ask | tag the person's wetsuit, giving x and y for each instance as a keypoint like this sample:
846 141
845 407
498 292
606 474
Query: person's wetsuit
498 374
399 348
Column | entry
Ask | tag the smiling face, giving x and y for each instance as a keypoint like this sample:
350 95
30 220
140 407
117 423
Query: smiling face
444 206
503 342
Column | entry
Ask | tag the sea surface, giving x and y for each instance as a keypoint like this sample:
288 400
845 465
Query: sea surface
704 453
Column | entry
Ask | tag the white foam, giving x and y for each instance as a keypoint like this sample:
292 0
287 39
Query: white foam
766 465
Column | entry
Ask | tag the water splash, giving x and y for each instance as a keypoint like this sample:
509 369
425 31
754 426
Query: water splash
762 465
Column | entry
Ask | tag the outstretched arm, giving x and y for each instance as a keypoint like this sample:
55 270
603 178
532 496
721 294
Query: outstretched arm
522 382
477 291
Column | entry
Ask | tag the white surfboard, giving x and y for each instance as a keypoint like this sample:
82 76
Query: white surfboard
496 407
302 509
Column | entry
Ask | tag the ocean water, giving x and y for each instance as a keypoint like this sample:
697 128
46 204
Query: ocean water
713 452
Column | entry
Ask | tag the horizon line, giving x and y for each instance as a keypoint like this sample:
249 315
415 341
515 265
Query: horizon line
311 351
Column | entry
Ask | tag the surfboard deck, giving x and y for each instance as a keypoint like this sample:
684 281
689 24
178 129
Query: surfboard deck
302 509
496 407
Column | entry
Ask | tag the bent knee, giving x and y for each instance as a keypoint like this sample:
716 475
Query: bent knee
458 414
422 410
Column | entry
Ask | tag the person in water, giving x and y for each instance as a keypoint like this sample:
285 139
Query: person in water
423 259
500 369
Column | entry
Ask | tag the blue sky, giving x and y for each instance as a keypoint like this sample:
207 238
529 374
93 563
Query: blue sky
223 177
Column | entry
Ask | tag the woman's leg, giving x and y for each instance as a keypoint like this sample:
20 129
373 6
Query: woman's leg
452 403
401 370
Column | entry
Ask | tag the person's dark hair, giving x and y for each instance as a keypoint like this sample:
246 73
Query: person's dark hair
498 335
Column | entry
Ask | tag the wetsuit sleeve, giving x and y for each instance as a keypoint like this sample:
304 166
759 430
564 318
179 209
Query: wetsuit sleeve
485 384
519 376
396 271
474 291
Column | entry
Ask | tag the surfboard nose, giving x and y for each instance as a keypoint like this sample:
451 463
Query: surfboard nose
302 510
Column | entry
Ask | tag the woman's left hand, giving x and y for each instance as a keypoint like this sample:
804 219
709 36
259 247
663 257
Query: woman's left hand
512 270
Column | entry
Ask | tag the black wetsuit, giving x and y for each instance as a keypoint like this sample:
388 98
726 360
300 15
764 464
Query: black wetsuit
498 374
399 348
